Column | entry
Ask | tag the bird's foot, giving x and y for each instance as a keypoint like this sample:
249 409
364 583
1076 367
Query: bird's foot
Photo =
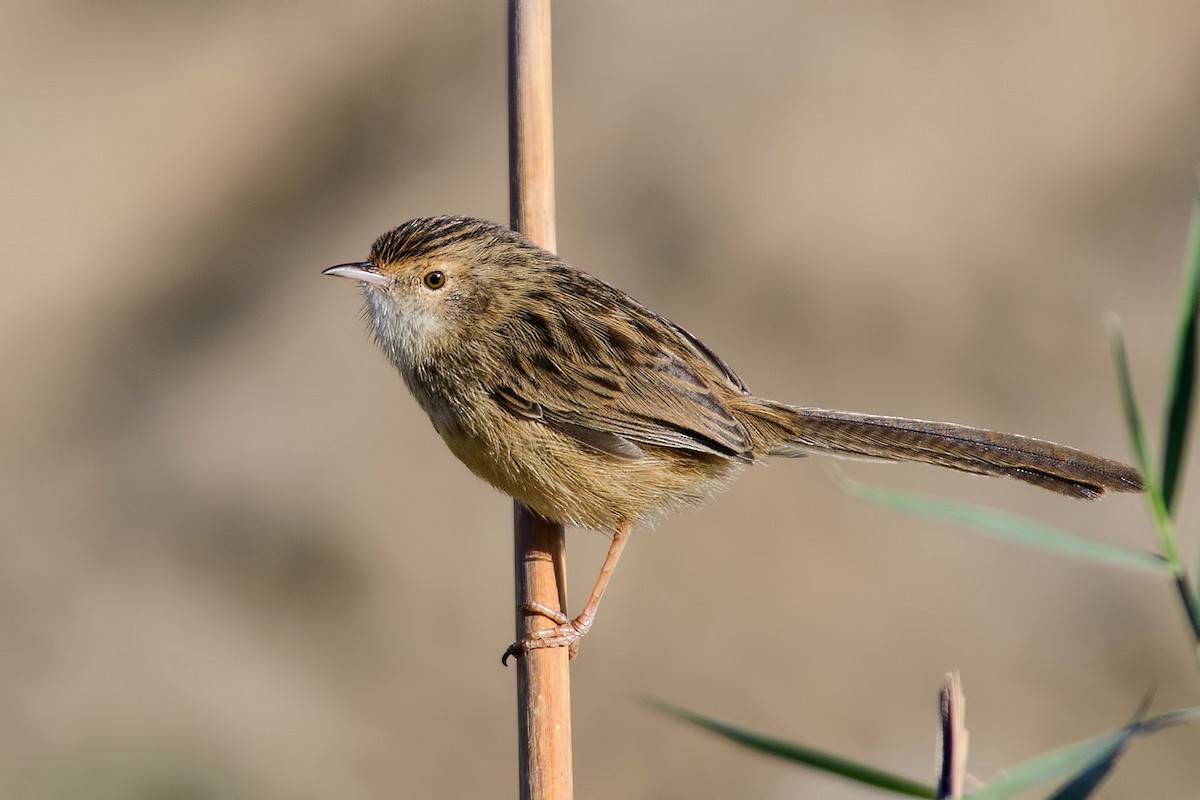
566 633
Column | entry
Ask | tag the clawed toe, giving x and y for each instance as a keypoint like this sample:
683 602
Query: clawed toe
567 634
549 613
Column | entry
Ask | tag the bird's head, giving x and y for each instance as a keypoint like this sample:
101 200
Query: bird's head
433 283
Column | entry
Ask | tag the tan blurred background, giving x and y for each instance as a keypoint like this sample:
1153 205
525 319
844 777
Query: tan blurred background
237 562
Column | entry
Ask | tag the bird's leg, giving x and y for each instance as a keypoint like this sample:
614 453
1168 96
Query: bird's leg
569 631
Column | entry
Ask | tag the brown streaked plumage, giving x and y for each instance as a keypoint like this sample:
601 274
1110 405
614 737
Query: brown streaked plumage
570 396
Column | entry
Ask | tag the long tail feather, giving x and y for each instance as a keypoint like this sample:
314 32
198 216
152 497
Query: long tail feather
783 430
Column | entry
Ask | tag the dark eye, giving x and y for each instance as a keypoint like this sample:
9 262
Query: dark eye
435 279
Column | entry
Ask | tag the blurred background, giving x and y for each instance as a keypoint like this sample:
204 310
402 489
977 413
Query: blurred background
235 559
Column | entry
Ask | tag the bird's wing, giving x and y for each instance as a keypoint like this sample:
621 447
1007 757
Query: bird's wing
621 377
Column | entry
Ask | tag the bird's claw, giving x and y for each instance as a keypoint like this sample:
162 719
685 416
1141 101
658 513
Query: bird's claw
566 633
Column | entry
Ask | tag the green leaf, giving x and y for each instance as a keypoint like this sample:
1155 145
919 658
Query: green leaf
1133 417
1087 757
1089 779
1009 527
1183 373
1163 525
1047 766
800 754
1141 449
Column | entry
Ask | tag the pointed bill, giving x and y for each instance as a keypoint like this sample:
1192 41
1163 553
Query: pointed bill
362 271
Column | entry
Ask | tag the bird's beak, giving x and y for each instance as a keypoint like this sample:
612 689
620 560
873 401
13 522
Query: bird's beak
362 271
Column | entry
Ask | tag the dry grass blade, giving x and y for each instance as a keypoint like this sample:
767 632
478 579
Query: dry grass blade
952 773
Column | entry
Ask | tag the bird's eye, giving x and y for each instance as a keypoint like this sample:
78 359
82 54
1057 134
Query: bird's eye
435 279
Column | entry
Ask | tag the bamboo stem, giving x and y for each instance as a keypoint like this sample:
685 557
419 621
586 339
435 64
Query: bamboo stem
543 683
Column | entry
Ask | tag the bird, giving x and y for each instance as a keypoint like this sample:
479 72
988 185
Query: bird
592 410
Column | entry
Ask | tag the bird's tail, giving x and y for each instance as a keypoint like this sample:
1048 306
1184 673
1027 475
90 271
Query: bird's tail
782 430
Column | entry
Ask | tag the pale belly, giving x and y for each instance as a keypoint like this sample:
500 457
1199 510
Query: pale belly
571 483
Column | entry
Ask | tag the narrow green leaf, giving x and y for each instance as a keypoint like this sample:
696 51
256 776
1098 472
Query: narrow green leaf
1163 525
1191 606
1181 392
1133 417
1083 783
800 754
1141 449
1009 527
1169 719
1083 756
1047 766
1088 780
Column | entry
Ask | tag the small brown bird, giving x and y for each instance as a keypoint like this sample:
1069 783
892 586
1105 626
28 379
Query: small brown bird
572 397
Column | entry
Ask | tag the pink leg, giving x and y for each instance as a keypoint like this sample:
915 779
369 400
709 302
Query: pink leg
569 632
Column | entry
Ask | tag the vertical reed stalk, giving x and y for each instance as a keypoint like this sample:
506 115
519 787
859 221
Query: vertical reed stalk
543 682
